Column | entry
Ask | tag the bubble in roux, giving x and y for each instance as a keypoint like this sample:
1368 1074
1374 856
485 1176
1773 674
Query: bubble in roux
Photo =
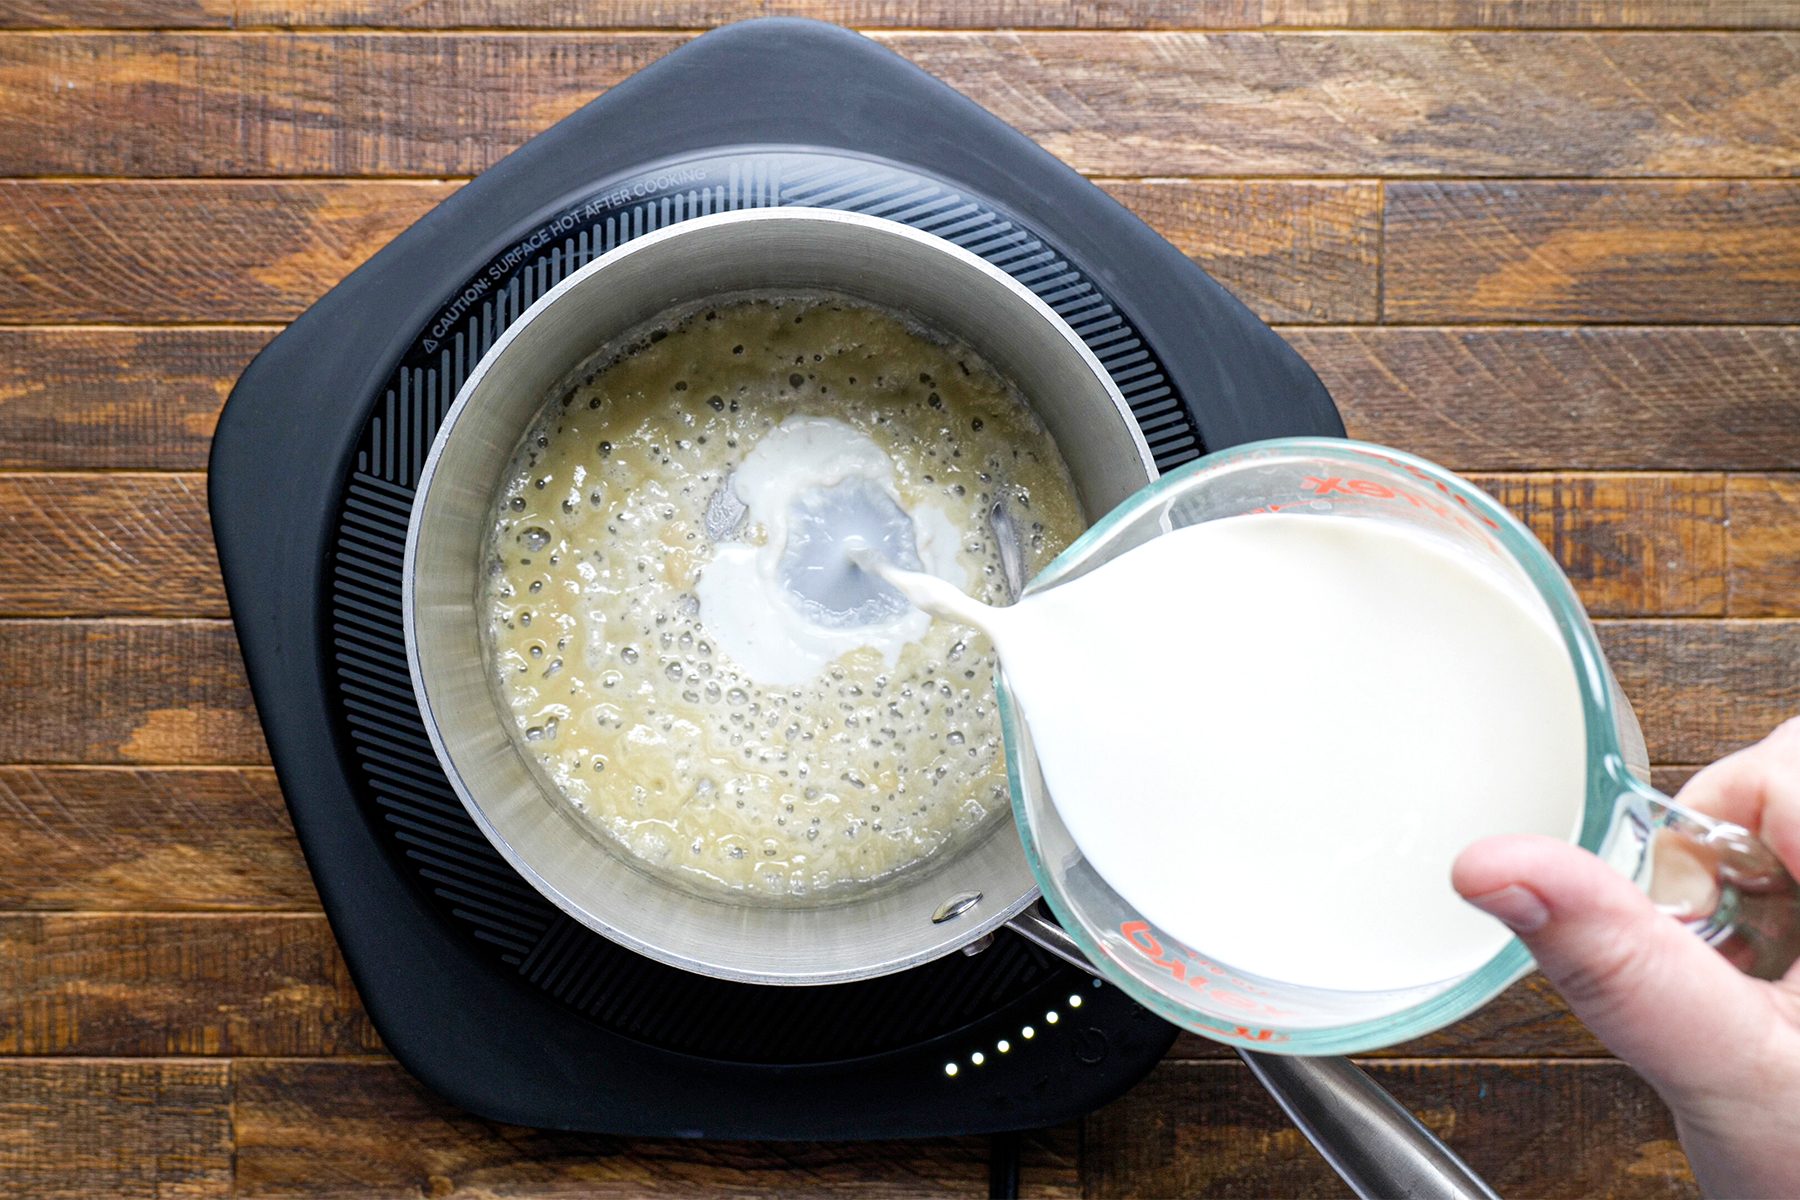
600 649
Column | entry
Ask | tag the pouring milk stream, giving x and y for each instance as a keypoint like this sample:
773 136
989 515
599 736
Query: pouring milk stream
1285 785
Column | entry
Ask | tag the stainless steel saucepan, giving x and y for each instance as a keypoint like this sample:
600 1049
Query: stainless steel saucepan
946 904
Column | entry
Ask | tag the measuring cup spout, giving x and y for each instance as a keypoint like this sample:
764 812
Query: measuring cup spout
1719 879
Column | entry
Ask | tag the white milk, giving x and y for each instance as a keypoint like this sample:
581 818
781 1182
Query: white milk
1273 734
744 592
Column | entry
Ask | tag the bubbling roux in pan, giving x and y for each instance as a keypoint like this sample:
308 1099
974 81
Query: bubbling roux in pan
665 675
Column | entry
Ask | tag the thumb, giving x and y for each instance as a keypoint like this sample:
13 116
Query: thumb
1658 996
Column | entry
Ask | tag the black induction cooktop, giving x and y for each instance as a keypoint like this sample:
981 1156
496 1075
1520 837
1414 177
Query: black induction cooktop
477 984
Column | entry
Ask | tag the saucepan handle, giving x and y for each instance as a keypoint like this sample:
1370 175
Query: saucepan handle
1376 1146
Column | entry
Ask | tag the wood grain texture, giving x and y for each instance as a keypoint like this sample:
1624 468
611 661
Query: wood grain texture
1568 1129
218 984
110 545
1477 399
125 692
1669 780
121 985
367 1130
153 905
1597 398
1291 251
74 398
202 251
1294 251
125 1130
1529 1020
923 14
186 105
1764 576
1705 688
172 692
1645 250
116 14
1573 104
122 839
1641 544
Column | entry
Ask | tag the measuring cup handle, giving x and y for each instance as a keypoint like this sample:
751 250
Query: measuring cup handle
1719 879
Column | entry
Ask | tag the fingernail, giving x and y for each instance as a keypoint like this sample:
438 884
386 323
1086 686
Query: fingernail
1519 909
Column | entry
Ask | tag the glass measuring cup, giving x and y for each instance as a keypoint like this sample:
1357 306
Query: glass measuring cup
1749 910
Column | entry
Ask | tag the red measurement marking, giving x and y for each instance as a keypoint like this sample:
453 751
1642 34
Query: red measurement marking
1139 935
1381 491
1191 973
1235 1000
1350 487
1437 483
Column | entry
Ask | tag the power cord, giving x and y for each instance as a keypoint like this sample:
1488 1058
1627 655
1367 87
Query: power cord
1003 1166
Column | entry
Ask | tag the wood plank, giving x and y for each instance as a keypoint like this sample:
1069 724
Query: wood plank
1640 544
1543 1129
1705 688
74 398
367 1130
1291 251
112 545
219 839
1597 398
1637 544
969 14
116 14
1050 14
150 1130
193 251
183 104
125 692
1528 1020
1646 250
162 840
212 984
1669 780
1577 104
1764 578
1477 399
172 692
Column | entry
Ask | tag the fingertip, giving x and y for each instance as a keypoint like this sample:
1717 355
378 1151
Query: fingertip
1635 976
1569 883
1757 787
1508 860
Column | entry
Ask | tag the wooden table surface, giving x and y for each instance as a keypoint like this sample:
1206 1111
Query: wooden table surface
1555 244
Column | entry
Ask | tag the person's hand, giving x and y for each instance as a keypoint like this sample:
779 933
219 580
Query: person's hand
1721 1048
